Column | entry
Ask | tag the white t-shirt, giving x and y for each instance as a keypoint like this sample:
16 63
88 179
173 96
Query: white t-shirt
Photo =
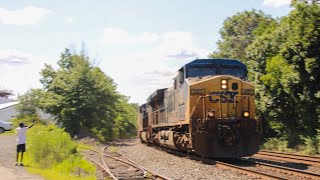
22 135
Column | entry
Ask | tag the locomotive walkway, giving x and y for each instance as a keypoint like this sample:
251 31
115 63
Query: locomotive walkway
7 159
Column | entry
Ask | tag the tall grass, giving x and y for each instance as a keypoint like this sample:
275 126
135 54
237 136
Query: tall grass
276 144
309 145
52 153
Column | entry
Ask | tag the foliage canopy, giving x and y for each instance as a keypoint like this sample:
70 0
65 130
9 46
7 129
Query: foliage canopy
81 96
284 63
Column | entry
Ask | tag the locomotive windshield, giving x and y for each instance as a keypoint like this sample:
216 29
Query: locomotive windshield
195 72
204 71
234 72
205 67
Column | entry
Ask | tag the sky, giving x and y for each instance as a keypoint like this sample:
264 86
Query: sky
139 43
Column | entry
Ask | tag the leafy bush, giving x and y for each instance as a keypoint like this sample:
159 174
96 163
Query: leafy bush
49 145
276 144
311 144
27 120
51 149
318 138
75 166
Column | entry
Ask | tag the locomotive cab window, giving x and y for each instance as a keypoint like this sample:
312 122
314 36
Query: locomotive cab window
181 77
200 71
233 71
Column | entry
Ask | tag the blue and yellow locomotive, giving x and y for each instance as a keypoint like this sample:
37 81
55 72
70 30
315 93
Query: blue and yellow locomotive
210 110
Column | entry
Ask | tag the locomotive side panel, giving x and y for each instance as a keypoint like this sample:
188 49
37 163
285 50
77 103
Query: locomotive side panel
171 100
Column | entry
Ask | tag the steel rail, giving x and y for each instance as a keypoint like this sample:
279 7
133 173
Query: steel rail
247 171
285 170
123 161
96 162
144 168
288 158
304 157
104 166
254 173
130 162
225 165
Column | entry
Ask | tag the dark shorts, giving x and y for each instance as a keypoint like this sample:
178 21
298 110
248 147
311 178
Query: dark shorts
21 148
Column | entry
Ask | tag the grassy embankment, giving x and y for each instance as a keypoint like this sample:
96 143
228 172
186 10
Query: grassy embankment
311 146
54 155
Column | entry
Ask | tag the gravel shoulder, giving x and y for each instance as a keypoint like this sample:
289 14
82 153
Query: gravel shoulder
7 159
173 166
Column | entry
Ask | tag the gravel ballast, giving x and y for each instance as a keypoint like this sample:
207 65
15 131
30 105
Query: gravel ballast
173 166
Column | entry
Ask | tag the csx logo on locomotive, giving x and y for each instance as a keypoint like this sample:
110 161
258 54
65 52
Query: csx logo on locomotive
225 96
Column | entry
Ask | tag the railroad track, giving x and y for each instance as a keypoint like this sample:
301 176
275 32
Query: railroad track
100 163
252 168
250 172
285 170
266 171
117 166
296 158
224 165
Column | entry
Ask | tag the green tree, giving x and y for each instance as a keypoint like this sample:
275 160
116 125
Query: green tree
285 66
302 51
263 52
239 31
125 124
29 103
283 61
78 94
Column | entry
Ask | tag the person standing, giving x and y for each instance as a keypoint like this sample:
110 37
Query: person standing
21 140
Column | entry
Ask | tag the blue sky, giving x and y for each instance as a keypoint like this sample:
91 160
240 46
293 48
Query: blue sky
139 43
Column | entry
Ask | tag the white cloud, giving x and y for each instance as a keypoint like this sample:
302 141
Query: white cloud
183 54
70 19
24 16
117 36
13 57
141 72
20 70
276 3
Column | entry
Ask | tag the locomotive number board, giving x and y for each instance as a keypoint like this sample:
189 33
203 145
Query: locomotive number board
247 91
197 91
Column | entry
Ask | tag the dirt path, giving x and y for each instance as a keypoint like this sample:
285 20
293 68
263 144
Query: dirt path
7 159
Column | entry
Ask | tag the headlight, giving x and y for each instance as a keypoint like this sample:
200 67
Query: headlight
210 114
224 84
246 114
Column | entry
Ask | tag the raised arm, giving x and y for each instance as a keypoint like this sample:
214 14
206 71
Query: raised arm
32 124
